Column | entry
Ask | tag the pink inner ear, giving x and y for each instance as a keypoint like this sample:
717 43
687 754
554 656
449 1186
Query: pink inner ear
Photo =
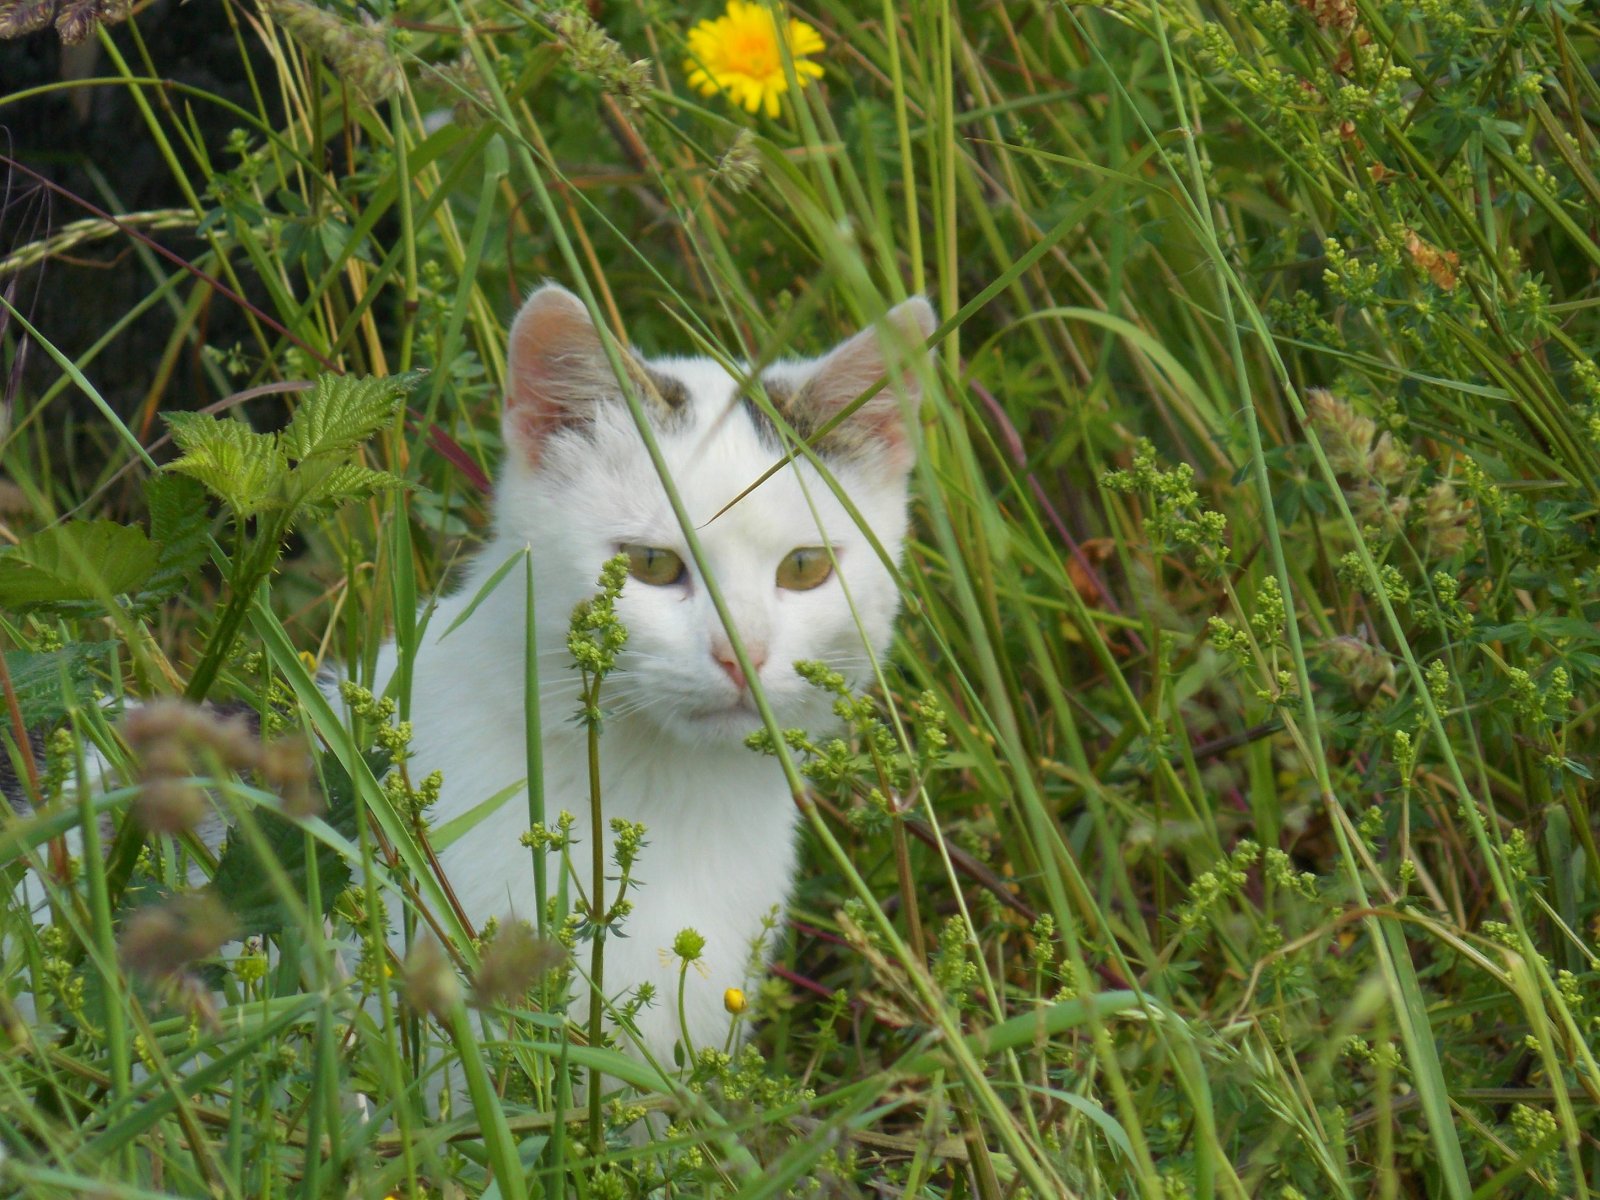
554 363
859 363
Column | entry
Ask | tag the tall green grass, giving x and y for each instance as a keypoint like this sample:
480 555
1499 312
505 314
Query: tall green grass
1225 825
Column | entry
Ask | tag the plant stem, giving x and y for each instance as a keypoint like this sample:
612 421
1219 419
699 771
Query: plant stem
597 916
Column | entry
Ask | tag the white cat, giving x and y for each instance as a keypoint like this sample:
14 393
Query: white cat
577 488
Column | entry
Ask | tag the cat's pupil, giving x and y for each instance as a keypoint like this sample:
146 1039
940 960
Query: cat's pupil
655 566
804 568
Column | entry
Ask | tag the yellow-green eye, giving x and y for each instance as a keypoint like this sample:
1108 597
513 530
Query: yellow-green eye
804 568
655 566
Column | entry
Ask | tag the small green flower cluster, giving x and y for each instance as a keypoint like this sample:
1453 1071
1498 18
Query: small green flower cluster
1179 520
596 634
870 766
394 739
1386 1056
1210 888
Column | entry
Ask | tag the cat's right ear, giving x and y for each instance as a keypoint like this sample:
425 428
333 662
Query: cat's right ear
556 367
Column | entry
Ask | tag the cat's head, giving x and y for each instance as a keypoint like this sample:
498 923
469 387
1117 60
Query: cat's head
579 487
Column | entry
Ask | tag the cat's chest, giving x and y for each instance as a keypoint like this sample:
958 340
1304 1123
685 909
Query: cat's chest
719 823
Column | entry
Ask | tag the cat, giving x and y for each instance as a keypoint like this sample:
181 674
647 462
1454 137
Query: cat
577 487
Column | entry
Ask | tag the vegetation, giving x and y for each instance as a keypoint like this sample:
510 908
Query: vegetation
1224 823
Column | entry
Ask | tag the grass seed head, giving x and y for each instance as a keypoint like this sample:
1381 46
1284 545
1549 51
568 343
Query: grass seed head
160 940
512 963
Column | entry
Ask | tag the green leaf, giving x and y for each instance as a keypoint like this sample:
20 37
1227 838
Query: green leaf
322 481
46 682
345 411
241 466
179 522
248 889
75 562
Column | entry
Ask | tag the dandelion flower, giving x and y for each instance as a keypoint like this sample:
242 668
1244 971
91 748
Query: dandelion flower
742 51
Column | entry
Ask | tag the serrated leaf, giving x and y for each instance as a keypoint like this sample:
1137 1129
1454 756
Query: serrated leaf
241 881
243 467
179 522
75 562
320 482
42 680
345 411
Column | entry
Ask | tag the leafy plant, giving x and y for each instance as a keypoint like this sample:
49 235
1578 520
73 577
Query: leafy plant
271 482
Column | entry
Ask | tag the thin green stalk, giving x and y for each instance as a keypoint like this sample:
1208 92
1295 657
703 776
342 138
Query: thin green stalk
598 914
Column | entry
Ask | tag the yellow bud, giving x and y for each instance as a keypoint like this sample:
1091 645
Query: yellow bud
733 1000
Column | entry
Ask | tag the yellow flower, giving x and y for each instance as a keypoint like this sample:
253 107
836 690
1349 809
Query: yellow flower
741 53
733 1000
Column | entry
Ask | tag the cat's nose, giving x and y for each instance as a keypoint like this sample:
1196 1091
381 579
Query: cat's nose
723 653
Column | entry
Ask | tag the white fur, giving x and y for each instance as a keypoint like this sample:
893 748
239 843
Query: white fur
720 853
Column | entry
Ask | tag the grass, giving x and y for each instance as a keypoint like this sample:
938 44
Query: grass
1225 821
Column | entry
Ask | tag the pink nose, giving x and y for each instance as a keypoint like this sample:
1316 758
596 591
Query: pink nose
724 655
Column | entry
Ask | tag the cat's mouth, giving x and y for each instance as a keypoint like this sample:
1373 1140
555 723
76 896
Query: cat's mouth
739 710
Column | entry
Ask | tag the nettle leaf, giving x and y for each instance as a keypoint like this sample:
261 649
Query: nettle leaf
246 886
345 411
322 481
80 561
243 467
179 522
46 682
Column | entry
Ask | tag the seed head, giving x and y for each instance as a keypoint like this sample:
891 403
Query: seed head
429 981
512 963
159 940
357 54
689 945
1346 435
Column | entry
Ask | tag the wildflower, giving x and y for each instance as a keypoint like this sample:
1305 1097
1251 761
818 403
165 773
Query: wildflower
734 1001
741 53
689 945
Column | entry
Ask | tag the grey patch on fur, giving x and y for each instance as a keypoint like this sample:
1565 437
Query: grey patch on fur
243 710
785 401
665 398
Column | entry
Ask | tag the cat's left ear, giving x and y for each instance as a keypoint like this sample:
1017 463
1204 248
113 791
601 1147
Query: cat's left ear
558 373
877 429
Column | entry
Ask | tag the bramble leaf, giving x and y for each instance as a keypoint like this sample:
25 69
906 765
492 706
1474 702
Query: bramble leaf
241 466
345 411
76 562
42 680
249 889
323 482
179 521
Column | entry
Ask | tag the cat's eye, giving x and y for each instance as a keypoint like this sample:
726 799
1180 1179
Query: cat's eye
804 568
655 566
